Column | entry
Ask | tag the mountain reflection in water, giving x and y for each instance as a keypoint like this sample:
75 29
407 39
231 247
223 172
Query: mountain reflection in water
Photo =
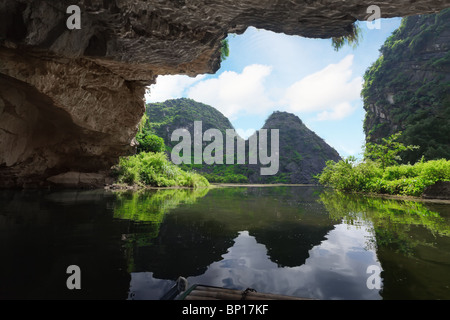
301 241
335 269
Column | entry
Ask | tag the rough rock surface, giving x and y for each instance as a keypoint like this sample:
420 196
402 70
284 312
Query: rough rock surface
439 190
303 154
70 100
408 88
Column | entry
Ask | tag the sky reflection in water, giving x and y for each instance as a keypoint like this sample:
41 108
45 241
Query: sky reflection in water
335 269
301 241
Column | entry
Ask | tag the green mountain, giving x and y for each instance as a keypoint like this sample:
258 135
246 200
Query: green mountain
408 88
170 115
302 154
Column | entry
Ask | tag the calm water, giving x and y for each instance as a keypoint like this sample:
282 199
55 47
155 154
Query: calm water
301 241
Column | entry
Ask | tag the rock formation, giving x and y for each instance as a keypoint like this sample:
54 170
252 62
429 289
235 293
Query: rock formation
439 190
70 100
302 154
408 88
166 117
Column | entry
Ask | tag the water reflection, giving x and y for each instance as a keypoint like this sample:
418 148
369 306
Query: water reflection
412 241
305 243
335 269
200 234
301 241
42 233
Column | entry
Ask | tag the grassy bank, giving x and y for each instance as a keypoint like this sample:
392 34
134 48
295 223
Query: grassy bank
155 170
370 176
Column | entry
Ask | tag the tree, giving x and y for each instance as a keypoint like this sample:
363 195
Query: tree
387 152
147 140
224 50
150 143
352 39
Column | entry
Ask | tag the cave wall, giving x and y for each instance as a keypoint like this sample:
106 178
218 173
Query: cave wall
70 100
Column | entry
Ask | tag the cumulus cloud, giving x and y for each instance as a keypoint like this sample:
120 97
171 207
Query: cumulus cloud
328 92
170 87
234 92
245 133
339 112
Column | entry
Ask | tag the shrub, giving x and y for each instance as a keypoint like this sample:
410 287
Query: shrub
150 143
368 176
154 169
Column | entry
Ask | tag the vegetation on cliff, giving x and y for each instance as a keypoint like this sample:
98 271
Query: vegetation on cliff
351 39
162 119
224 50
302 154
407 88
151 167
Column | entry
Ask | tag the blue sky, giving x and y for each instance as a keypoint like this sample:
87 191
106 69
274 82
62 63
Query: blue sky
269 72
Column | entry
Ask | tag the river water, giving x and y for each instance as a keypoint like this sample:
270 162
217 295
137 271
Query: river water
300 241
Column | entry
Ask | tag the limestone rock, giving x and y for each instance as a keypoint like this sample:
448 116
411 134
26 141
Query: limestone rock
407 89
78 180
439 190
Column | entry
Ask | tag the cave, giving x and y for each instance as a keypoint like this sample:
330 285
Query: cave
71 100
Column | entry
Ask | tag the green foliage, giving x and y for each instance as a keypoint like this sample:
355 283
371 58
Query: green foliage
279 178
226 178
380 173
368 176
224 50
181 113
152 205
387 152
154 169
351 39
165 117
391 219
347 176
298 145
226 173
150 143
421 104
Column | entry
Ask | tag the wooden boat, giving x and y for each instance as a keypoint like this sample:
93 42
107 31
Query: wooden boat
202 292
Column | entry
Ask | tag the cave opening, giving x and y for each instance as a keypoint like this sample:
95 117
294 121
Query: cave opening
98 74
267 72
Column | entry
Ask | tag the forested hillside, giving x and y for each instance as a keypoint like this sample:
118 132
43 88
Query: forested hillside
302 154
408 88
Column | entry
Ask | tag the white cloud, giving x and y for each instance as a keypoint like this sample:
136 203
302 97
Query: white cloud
245 133
170 87
233 92
329 94
339 112
329 91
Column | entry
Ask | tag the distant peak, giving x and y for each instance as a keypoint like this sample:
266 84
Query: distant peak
280 117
